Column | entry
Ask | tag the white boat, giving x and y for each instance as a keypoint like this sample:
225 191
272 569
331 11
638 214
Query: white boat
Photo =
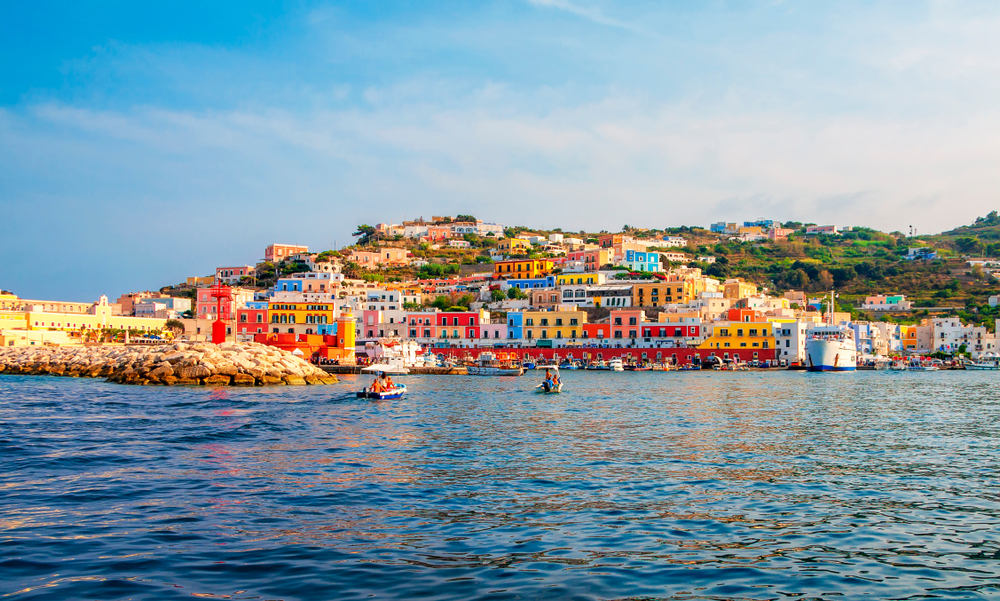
831 347
387 395
989 361
616 364
898 365
982 365
488 365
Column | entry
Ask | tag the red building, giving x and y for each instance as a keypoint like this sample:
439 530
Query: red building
251 320
458 325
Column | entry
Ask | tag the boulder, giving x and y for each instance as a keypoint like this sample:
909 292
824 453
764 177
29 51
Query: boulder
244 380
217 380
193 371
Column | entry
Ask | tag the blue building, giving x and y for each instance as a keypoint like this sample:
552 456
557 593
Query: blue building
718 228
515 325
638 260
548 281
288 285
767 224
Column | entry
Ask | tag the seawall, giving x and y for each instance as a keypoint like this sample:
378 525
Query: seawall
227 364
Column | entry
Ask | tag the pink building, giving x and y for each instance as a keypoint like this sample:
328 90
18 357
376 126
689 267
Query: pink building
627 323
206 306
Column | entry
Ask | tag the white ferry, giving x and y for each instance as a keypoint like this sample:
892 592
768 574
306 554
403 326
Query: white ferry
831 347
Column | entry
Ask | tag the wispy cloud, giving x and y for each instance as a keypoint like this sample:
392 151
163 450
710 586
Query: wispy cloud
589 13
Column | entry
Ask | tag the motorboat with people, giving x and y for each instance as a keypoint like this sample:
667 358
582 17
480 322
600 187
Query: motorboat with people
489 364
553 383
383 389
831 347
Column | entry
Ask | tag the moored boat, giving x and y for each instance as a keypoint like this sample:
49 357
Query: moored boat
831 347
488 364
616 364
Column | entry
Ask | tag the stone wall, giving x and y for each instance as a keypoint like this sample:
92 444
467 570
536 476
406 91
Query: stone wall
200 363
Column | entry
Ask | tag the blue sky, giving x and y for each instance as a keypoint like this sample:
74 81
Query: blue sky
144 142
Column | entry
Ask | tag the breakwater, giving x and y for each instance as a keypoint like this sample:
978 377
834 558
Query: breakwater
227 364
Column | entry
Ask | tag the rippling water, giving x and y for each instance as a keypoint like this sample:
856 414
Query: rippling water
652 485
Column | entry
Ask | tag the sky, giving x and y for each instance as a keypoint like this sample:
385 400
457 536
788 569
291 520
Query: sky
144 142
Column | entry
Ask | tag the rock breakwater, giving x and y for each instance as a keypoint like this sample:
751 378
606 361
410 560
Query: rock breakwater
199 363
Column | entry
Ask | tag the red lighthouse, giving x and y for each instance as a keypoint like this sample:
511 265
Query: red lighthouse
220 293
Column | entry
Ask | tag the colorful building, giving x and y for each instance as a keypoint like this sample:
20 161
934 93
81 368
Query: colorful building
514 246
522 268
737 288
251 320
280 252
636 260
557 325
568 279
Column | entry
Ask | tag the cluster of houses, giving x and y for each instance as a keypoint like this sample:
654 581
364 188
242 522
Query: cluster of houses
619 292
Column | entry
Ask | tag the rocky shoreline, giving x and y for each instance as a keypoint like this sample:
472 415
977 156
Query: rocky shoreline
194 364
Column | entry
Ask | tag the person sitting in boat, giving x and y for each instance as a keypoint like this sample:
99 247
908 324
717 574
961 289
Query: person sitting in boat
378 385
388 383
548 384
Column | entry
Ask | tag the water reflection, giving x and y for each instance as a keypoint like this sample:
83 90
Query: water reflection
672 486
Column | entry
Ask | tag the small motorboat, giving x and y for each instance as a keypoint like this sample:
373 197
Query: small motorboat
616 364
388 395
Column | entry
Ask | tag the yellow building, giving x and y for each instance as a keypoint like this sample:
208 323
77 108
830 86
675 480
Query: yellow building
569 279
908 336
737 288
740 335
514 246
658 292
66 327
198 281
554 325
523 268
286 313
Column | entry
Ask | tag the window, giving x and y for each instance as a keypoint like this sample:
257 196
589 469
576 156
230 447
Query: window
631 333
618 321
559 321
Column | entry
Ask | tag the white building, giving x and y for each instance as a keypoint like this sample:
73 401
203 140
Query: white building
674 242
556 238
705 259
790 341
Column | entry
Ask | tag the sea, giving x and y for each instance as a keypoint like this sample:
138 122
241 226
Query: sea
653 485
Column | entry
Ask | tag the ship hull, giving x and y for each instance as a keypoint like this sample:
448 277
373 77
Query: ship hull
831 355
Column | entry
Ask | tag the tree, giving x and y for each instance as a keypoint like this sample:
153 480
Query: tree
516 293
825 280
969 245
497 295
366 233
465 218
175 325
